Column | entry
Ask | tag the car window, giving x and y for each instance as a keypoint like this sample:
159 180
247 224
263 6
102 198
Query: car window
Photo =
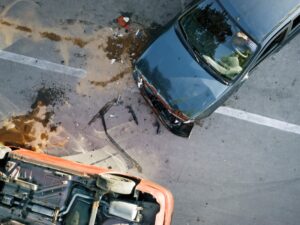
274 43
217 40
296 22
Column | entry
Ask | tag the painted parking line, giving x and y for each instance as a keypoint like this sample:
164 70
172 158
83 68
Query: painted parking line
42 64
258 119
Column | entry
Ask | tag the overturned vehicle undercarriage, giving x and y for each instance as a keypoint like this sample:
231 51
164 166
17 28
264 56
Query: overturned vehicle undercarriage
39 189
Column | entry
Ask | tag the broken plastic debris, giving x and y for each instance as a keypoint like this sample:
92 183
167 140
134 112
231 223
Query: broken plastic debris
123 21
137 32
131 163
112 61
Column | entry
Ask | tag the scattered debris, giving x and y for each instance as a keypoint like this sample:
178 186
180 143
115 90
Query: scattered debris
131 111
157 125
131 163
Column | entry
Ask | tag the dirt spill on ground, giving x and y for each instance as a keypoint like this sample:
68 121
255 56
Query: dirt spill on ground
47 34
23 28
49 96
123 49
110 51
35 130
115 78
130 44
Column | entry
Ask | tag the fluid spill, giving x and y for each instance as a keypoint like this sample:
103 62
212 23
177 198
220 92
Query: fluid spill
51 36
22 130
49 96
47 34
35 129
24 29
130 44
115 78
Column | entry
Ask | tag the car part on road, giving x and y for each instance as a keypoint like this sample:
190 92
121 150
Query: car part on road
131 111
157 125
36 188
131 163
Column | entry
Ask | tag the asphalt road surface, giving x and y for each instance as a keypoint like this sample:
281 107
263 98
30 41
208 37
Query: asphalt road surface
62 60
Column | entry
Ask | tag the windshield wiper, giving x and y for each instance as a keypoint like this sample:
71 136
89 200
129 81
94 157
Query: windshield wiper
197 54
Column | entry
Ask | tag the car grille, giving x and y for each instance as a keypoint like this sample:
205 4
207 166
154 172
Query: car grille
165 115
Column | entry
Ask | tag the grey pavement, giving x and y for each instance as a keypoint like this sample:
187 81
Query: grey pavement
230 172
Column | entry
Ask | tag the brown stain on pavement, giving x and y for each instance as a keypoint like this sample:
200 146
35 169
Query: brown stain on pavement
5 23
20 130
34 129
48 35
51 36
24 29
115 78
130 44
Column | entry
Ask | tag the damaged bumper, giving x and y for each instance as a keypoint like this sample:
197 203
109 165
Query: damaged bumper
176 122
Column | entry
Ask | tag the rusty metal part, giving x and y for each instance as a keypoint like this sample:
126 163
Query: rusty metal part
176 113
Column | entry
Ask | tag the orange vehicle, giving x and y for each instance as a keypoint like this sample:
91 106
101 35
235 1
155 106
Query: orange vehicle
41 189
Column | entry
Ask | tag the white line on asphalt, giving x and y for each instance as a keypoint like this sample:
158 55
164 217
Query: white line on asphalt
42 64
258 119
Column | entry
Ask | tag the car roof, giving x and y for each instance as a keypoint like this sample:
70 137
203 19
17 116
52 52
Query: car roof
259 17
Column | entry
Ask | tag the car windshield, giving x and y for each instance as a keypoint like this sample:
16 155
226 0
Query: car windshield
216 40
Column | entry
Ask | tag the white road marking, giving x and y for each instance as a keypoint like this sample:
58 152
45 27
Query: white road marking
258 119
42 64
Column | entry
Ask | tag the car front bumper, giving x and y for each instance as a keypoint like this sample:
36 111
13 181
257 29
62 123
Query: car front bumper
176 125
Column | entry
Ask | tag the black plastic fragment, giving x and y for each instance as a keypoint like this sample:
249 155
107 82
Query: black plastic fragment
131 163
131 111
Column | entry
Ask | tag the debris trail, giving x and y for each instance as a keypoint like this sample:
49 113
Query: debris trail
131 163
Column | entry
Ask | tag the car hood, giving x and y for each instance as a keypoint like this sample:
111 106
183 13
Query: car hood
178 78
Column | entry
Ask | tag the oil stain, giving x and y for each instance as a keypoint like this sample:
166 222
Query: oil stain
115 78
49 96
24 29
134 43
20 130
48 35
33 130
51 36
130 44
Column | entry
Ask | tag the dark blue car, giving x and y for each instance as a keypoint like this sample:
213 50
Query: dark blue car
207 53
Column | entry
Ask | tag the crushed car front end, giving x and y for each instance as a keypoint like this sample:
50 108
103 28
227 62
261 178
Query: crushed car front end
177 122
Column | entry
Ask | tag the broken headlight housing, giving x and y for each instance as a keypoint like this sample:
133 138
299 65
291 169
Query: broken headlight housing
174 123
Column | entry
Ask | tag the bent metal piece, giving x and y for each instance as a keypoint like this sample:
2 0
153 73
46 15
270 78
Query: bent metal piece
131 163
